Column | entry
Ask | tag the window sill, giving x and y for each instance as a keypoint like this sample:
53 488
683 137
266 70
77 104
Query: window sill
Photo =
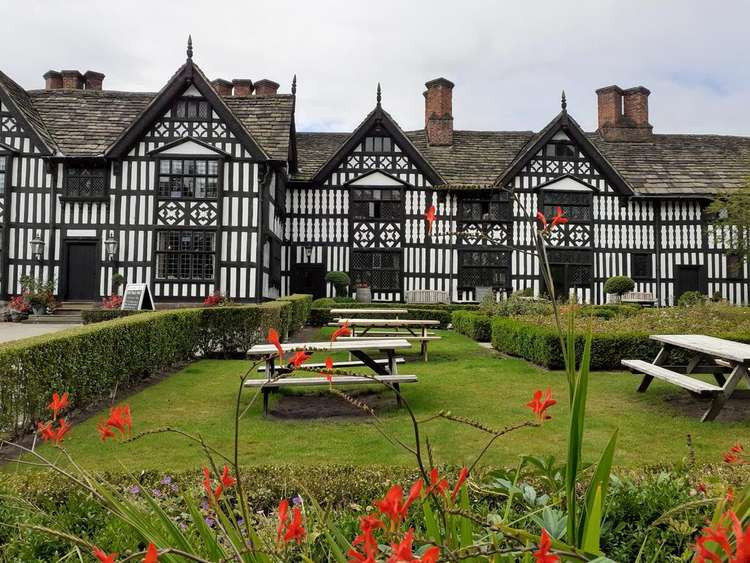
70 198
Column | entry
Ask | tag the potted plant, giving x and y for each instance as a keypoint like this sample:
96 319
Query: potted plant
364 294
39 294
19 308
118 280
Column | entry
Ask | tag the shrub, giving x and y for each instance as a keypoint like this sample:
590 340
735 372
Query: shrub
716 297
300 310
344 300
474 325
525 292
516 305
112 302
20 304
91 316
324 302
117 280
619 285
691 299
340 280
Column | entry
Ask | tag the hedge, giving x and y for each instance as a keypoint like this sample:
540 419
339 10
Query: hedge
300 309
321 316
91 316
472 324
541 345
92 360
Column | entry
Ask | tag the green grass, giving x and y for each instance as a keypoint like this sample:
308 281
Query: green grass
460 377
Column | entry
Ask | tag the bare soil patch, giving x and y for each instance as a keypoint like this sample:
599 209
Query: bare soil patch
735 410
324 405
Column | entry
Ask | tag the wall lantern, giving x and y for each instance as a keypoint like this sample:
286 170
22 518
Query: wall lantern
111 246
308 251
37 246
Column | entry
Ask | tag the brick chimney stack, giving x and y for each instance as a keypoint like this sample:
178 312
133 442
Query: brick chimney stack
266 87
222 87
52 80
243 87
623 114
438 112
93 80
72 80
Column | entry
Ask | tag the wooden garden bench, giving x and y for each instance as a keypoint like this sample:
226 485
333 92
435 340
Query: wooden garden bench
638 298
346 364
425 296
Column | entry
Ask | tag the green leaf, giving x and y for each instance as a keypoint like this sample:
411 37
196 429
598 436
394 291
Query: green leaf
595 496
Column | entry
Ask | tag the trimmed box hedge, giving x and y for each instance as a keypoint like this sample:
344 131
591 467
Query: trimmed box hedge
321 316
91 316
541 344
472 324
90 361
299 311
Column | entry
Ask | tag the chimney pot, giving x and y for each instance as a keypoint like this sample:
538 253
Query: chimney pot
52 80
266 87
623 114
243 87
438 112
72 79
222 87
93 80
635 105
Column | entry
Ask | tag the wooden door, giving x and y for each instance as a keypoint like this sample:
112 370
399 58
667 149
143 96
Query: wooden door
81 271
689 278
310 279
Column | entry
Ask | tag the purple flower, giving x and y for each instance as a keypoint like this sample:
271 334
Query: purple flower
204 504
135 489
183 526
174 487
296 500
209 521
167 480
156 493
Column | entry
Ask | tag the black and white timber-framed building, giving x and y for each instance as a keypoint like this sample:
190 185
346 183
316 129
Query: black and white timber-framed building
207 186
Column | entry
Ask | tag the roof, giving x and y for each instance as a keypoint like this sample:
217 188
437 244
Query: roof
268 118
19 100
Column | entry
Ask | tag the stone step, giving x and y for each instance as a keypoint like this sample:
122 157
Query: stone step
55 319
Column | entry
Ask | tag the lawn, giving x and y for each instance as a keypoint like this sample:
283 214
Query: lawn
461 376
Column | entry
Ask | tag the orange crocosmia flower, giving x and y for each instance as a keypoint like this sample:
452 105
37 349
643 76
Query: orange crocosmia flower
431 555
741 539
103 557
436 483
152 556
299 358
462 476
390 504
104 431
402 551
559 218
210 492
543 554
46 431
283 518
430 217
227 480
126 418
343 330
61 431
329 369
538 404
737 448
368 525
116 419
414 493
713 542
731 458
542 219
273 338
294 530
58 403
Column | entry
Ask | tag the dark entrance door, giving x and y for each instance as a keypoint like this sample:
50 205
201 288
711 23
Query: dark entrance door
309 278
689 278
559 279
81 271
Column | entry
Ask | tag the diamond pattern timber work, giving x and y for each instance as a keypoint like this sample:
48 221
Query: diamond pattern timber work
8 124
478 234
171 212
364 235
571 234
377 235
203 213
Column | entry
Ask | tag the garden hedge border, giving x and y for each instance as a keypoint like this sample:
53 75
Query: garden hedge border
321 316
541 345
473 324
90 361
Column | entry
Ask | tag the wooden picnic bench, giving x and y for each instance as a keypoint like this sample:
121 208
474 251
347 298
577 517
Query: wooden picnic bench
733 357
368 311
414 330
386 371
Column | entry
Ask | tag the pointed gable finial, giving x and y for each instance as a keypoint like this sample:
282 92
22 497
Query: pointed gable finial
379 95
294 85
190 47
563 102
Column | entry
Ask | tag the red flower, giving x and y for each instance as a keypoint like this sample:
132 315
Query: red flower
343 330
294 529
393 504
402 551
559 218
283 518
701 488
207 485
742 539
436 483
103 557
463 474
119 418
431 555
707 551
104 432
430 218
152 556
714 543
58 403
226 480
273 338
368 525
46 431
61 431
730 458
543 555
538 406
299 358
126 418
112 302
542 219
737 448
329 369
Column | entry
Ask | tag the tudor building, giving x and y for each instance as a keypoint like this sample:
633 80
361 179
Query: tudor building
206 186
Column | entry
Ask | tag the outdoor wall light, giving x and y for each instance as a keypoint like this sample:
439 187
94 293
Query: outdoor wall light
37 246
111 246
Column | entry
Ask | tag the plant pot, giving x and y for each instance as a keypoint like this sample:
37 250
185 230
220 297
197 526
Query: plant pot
364 295
41 310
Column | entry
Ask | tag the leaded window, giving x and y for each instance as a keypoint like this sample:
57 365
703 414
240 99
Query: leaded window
378 144
380 270
275 277
734 267
84 181
185 255
191 109
486 207
3 164
188 178
561 151
482 269
376 204
640 266
576 205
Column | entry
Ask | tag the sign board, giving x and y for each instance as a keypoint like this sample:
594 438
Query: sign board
137 296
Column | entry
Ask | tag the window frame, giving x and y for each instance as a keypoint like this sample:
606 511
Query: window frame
552 199
353 272
6 172
738 272
374 203
219 160
158 252
649 258
501 199
66 195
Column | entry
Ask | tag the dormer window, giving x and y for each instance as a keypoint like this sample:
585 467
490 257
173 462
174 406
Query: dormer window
85 181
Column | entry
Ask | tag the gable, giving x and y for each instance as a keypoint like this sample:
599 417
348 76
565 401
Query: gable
567 183
190 147
376 178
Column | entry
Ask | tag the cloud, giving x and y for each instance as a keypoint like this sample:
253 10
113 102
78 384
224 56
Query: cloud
509 60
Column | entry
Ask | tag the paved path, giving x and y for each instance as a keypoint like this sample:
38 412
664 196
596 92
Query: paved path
16 331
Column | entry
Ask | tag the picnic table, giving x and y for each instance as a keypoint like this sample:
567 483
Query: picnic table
369 311
385 371
414 330
728 357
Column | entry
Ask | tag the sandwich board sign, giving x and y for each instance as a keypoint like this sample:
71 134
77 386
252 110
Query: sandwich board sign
137 296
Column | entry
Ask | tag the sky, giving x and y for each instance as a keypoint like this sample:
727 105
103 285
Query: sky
508 60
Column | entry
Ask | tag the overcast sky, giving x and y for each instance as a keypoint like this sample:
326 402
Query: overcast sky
509 60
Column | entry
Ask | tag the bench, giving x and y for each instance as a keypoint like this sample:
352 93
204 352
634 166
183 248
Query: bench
267 386
424 296
639 298
686 382
347 364
423 340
